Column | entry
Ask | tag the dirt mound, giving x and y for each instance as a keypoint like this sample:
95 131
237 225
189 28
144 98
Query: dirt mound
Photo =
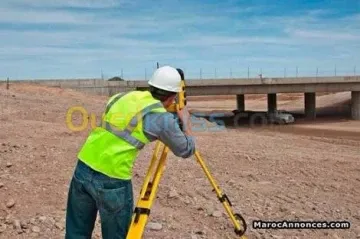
322 101
41 90
335 104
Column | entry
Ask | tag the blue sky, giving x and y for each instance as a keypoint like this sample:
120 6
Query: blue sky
79 39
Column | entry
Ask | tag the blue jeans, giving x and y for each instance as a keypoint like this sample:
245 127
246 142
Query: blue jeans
90 192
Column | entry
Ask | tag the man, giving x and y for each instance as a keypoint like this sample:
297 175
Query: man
102 178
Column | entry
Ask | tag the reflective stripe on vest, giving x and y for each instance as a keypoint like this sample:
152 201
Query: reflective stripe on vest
126 134
114 101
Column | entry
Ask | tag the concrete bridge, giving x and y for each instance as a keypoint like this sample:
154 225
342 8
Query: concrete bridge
239 87
271 86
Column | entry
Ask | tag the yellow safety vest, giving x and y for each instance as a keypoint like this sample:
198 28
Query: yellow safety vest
113 147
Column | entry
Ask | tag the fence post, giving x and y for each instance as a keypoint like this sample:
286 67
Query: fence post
7 83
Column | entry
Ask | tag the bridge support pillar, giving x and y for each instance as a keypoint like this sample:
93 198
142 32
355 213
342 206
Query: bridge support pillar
355 105
310 105
272 103
240 102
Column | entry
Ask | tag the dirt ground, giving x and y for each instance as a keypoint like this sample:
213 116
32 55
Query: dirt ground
305 171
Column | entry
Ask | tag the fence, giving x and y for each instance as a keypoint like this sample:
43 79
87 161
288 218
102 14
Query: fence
244 72
279 72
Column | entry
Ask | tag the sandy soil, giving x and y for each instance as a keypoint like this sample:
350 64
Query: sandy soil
307 171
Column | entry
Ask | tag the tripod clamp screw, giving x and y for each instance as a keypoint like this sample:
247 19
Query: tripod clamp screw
224 198
140 210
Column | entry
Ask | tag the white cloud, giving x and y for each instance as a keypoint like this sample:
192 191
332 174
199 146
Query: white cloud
269 59
77 40
216 40
324 34
35 16
241 10
319 12
67 3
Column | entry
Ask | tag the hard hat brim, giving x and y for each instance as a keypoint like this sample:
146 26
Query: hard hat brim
170 89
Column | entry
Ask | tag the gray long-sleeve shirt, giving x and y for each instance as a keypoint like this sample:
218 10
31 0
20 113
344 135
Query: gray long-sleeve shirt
165 127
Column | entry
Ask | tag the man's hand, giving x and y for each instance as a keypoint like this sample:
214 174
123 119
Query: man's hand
185 119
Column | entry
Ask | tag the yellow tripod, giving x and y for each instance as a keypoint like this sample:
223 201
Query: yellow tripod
149 188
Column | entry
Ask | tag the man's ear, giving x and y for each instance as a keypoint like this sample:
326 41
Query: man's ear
173 98
170 100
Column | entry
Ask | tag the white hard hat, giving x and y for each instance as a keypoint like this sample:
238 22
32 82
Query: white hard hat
166 78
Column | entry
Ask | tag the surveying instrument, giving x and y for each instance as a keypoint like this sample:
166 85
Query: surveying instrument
154 173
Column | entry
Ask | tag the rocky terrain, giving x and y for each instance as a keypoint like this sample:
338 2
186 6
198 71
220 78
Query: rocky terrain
269 173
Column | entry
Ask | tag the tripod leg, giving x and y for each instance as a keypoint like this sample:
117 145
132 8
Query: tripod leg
147 183
237 219
145 201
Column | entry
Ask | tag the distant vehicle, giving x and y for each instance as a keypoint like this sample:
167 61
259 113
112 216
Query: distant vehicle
261 117
280 117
